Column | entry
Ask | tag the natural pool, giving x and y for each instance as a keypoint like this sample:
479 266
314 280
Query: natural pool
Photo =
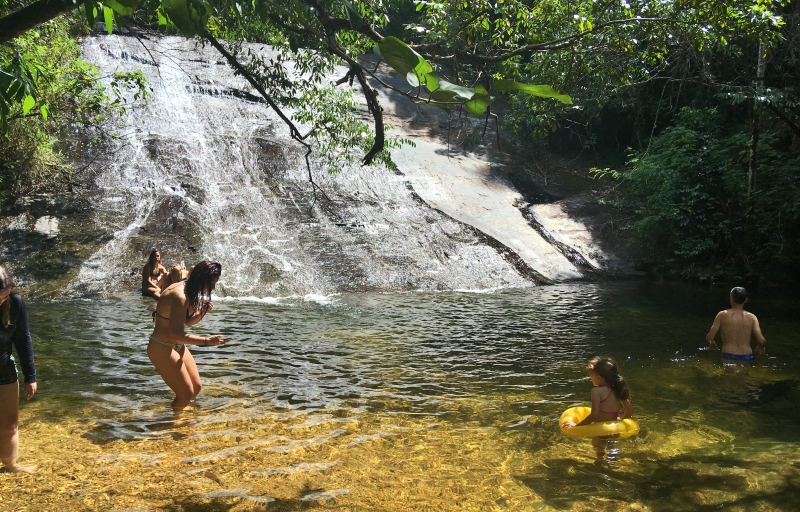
412 401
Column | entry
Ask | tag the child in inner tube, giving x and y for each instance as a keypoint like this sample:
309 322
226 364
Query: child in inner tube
609 392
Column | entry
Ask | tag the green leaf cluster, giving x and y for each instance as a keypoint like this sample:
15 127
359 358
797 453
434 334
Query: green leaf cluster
446 95
63 87
686 203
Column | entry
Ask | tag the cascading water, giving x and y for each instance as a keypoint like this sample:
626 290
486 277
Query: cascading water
205 172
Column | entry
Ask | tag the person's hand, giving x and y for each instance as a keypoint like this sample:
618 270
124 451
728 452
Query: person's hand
712 345
215 340
760 348
568 424
207 307
30 390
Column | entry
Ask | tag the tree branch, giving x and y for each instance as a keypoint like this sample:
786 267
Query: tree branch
293 131
241 70
555 44
783 117
19 22
333 25
376 111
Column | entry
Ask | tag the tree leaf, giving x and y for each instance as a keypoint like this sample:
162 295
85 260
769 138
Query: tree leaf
461 92
403 59
108 15
188 16
443 97
353 16
90 9
544 91
43 110
123 7
479 102
432 81
27 104
262 9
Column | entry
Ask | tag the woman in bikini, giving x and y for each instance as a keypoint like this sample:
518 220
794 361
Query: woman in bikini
609 392
151 272
183 303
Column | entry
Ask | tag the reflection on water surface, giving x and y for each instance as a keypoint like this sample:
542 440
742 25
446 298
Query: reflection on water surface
412 402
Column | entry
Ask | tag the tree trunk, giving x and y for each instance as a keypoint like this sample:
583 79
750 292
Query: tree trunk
19 22
754 130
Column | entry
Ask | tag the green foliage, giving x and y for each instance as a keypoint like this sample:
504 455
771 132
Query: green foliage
338 134
444 94
686 204
18 89
404 60
67 89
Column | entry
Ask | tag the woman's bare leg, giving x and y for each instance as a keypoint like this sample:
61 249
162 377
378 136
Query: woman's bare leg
194 373
9 434
175 372
152 291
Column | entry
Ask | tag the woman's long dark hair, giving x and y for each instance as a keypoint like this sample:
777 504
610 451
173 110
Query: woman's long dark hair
201 278
607 368
152 258
6 282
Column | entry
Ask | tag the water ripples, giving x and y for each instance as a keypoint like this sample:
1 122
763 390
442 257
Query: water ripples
366 392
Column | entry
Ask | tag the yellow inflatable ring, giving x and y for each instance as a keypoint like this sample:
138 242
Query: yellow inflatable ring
620 429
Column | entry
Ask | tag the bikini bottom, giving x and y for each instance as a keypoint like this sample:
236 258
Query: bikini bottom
739 357
177 347
8 372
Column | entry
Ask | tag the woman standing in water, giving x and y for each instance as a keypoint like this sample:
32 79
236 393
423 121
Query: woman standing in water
182 304
13 331
151 272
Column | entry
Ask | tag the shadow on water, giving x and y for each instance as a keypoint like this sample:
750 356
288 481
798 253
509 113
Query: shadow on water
679 483
308 497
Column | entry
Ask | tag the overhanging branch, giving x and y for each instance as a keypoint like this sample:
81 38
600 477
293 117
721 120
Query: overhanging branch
783 117
293 131
30 16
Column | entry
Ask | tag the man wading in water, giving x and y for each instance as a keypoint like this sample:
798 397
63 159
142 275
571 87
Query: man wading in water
736 327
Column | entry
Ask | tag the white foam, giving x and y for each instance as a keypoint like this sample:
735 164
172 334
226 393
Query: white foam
272 301
494 289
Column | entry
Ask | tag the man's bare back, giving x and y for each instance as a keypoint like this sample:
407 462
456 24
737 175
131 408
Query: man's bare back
736 327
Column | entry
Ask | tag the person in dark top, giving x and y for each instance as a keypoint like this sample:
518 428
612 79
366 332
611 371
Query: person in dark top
13 332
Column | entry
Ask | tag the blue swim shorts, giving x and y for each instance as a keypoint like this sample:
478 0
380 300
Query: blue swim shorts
739 357
8 372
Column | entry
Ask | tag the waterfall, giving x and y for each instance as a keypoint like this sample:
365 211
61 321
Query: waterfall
206 172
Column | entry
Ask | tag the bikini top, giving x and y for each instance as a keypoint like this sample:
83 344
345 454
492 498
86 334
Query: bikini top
156 313
610 392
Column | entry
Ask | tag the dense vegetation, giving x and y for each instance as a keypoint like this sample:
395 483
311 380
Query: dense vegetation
687 108
71 96
701 160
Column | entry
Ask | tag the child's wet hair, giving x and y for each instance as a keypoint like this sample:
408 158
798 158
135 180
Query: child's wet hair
606 368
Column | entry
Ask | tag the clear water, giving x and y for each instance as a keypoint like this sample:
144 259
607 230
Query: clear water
413 401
